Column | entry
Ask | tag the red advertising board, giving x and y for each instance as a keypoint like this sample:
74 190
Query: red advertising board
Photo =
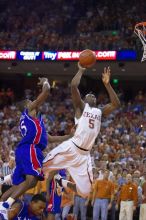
7 55
74 55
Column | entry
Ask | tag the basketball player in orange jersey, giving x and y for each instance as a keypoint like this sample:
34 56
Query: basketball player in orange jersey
74 154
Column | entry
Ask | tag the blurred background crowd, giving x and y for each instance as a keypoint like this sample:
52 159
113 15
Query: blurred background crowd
40 25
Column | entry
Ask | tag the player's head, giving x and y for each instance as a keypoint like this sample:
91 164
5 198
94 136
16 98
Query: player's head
23 104
38 204
90 99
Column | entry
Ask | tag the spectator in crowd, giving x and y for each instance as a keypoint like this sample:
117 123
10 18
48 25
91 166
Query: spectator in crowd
80 208
36 25
6 173
102 197
137 181
143 205
113 213
122 179
127 199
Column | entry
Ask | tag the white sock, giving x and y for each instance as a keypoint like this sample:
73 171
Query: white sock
64 183
10 201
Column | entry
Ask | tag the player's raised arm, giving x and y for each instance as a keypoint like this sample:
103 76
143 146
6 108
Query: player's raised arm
76 97
115 102
42 96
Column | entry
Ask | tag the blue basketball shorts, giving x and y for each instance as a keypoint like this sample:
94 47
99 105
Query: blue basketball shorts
29 161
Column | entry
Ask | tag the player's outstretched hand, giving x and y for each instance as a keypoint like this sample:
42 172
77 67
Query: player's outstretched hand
106 75
42 80
81 68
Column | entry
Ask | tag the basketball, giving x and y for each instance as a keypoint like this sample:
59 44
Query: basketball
87 58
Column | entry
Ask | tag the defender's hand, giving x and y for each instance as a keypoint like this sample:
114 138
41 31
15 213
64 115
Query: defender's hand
106 75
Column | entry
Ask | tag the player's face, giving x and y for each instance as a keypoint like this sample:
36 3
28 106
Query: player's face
28 103
33 112
90 99
38 207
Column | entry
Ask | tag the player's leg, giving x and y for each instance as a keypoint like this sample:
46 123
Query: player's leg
58 158
8 193
82 174
17 190
30 182
80 181
27 172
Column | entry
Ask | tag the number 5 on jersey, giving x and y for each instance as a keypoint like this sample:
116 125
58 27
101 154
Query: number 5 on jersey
23 128
91 123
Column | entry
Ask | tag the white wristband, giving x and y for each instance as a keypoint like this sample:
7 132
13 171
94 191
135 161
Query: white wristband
46 83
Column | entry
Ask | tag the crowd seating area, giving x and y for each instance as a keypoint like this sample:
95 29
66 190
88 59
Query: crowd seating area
59 25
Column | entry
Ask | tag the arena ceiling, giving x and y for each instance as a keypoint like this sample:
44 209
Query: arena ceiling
123 70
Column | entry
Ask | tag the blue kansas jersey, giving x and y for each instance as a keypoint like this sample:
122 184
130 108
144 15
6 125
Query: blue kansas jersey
28 154
25 214
32 130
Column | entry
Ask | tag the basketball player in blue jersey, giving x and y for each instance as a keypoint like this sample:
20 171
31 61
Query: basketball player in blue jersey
32 211
28 153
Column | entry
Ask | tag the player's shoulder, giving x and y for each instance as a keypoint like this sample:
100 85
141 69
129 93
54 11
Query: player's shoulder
100 108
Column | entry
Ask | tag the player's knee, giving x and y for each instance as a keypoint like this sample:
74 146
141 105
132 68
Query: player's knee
31 181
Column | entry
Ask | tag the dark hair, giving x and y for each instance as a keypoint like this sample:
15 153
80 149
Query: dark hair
21 105
90 93
38 197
